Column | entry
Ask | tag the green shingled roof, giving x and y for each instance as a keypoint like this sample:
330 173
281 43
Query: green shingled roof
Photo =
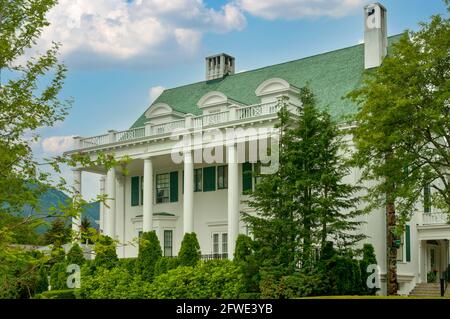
330 75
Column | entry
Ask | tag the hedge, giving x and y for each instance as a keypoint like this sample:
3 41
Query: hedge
57 294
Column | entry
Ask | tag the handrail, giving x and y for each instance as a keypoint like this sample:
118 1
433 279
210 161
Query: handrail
205 120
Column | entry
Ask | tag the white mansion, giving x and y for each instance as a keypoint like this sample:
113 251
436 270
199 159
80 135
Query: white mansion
177 197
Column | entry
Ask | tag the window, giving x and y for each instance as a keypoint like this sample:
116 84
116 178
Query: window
219 243
247 178
209 179
215 243
162 188
222 177
135 191
224 243
427 199
198 182
168 243
257 171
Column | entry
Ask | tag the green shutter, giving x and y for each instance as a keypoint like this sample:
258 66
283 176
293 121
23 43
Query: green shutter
209 179
408 243
246 178
135 191
174 186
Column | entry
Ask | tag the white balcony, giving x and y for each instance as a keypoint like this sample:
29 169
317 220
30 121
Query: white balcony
435 218
234 114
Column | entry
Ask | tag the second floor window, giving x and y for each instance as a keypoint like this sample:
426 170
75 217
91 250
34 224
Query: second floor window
222 177
162 188
198 180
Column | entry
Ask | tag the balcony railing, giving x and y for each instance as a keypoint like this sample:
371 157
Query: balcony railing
435 218
196 122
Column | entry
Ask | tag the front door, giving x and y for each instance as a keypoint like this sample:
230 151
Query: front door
433 263
219 243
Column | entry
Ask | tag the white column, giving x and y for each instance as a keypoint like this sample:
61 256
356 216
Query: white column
233 199
148 196
111 203
102 205
76 221
188 196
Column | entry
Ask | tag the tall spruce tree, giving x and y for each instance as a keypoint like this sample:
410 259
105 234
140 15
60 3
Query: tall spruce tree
305 203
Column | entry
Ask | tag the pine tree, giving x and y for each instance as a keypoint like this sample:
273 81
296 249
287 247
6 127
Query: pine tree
189 254
75 255
305 203
149 254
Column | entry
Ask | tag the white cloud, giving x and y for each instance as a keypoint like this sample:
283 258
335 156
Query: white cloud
154 92
57 144
297 9
115 31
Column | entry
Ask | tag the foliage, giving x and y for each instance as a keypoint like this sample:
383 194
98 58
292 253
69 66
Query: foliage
245 259
129 264
207 280
165 264
105 253
189 254
149 254
59 232
75 255
368 258
405 112
432 277
305 202
57 294
58 276
114 283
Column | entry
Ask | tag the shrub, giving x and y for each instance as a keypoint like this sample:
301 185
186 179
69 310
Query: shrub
368 258
245 259
208 280
165 264
345 276
57 294
58 276
129 264
115 283
302 285
189 254
41 280
244 247
105 253
149 254
75 255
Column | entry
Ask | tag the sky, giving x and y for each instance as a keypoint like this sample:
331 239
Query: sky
121 54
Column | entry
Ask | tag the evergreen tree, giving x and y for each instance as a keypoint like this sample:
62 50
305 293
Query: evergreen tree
368 258
59 232
75 255
149 254
105 253
189 254
305 203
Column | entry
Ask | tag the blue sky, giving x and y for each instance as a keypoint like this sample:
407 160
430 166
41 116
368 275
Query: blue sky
117 51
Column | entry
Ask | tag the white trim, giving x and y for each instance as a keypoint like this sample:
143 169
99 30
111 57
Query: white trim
275 85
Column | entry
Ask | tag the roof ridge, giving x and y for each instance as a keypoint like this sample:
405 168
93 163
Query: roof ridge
277 64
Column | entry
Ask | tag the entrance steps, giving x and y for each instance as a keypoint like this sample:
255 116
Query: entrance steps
427 289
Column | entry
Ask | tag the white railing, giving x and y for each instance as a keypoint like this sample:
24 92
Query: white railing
167 127
211 119
257 110
435 218
243 113
130 134
94 141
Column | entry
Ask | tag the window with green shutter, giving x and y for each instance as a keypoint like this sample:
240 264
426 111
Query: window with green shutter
246 178
209 179
135 190
174 187
408 243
